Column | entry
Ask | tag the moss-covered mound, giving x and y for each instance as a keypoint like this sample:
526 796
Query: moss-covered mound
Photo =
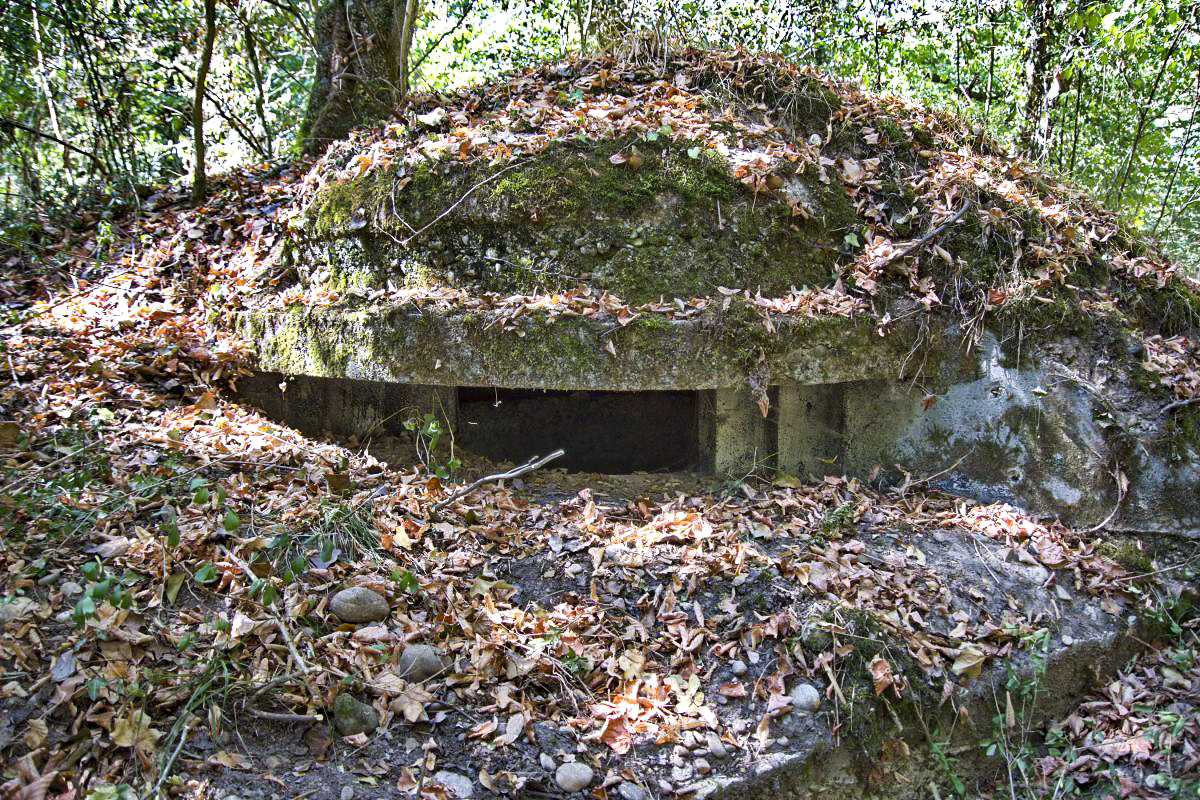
719 172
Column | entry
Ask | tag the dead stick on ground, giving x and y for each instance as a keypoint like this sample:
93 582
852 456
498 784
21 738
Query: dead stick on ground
459 202
1169 407
929 237
515 472
279 716
166 771
279 623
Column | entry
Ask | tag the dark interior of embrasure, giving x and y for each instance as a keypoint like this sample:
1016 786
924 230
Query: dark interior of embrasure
608 432
605 432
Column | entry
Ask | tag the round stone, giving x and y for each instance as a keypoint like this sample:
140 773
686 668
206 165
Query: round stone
347 793
573 777
805 697
459 785
351 716
419 662
630 791
738 667
359 604
716 748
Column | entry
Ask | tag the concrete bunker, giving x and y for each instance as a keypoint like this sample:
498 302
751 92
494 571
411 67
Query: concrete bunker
769 288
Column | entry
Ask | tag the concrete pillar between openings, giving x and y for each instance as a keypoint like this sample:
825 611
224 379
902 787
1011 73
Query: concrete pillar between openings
739 433
811 420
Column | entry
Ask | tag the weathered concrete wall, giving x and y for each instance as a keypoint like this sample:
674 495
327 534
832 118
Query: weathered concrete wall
462 348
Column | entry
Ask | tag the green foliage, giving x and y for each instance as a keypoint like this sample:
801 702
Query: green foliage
427 431
102 587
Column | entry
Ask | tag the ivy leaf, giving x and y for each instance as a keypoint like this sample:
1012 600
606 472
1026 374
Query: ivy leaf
231 522
206 574
408 582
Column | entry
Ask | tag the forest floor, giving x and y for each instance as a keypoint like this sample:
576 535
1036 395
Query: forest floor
170 555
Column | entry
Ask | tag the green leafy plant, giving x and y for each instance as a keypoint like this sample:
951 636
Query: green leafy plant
428 432
102 587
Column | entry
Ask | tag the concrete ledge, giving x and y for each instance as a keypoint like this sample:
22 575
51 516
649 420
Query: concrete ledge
461 348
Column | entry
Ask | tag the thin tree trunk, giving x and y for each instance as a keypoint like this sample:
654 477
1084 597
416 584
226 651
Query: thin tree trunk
43 80
1144 115
260 105
987 100
1030 142
199 178
1079 86
1187 140
408 28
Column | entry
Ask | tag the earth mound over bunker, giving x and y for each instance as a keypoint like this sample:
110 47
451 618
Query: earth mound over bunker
836 283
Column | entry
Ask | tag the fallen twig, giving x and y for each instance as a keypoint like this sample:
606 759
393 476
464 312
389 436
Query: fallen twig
929 237
515 472
1169 407
281 716
459 201
279 623
166 770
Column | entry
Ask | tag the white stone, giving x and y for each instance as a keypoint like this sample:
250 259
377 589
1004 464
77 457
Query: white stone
460 785
805 697
630 791
573 777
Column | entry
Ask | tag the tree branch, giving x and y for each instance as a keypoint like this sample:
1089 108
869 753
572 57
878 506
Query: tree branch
50 137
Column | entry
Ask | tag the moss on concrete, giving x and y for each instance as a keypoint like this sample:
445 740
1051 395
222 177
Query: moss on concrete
678 225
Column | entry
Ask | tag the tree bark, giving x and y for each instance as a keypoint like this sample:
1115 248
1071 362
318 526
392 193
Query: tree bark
256 73
408 26
199 178
1032 139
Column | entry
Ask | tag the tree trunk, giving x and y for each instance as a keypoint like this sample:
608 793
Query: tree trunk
1034 133
199 179
256 73
407 26
363 66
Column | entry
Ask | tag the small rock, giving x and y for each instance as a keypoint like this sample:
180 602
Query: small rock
1068 640
460 786
805 697
701 766
630 791
419 662
681 774
573 777
352 716
716 748
738 667
347 793
546 761
359 604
